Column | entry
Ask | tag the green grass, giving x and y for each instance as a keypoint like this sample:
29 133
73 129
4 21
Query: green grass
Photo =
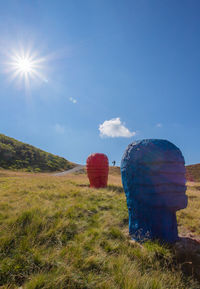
56 232
17 155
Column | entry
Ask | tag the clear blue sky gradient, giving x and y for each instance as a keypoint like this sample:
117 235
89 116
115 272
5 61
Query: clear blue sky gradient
137 60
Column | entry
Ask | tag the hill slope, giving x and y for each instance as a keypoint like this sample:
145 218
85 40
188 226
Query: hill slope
193 173
18 155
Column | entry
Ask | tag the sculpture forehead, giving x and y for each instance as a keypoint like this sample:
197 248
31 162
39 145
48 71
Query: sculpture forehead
152 151
97 157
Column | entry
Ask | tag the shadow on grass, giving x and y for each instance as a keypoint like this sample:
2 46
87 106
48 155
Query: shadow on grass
83 185
193 197
187 253
114 188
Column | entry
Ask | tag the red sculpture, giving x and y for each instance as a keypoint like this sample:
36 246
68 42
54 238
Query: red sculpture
97 170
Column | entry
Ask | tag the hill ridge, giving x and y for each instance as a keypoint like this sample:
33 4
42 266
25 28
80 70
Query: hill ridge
15 154
193 173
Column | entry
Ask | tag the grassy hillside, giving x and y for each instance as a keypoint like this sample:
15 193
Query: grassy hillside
193 173
18 155
56 232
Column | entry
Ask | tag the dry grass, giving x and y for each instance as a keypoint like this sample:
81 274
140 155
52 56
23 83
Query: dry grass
189 218
56 232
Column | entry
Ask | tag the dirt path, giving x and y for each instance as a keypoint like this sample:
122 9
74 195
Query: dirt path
76 169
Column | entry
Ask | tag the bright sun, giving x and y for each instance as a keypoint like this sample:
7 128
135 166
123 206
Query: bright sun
26 67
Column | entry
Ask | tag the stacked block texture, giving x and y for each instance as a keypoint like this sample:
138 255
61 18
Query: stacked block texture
97 170
153 177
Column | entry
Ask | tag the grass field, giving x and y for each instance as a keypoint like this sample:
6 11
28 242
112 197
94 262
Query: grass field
56 232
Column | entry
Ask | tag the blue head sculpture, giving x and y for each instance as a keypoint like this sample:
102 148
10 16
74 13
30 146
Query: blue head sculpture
153 177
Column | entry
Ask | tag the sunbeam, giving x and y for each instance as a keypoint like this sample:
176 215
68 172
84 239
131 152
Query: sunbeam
25 67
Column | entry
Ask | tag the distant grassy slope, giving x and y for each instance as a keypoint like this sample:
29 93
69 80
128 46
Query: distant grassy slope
193 173
114 171
56 232
18 155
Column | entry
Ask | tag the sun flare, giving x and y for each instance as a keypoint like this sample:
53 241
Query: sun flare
26 67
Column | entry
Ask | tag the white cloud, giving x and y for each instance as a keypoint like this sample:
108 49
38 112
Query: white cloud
59 128
73 100
114 128
159 125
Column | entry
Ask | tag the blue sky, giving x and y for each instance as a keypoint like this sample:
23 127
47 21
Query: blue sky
112 72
